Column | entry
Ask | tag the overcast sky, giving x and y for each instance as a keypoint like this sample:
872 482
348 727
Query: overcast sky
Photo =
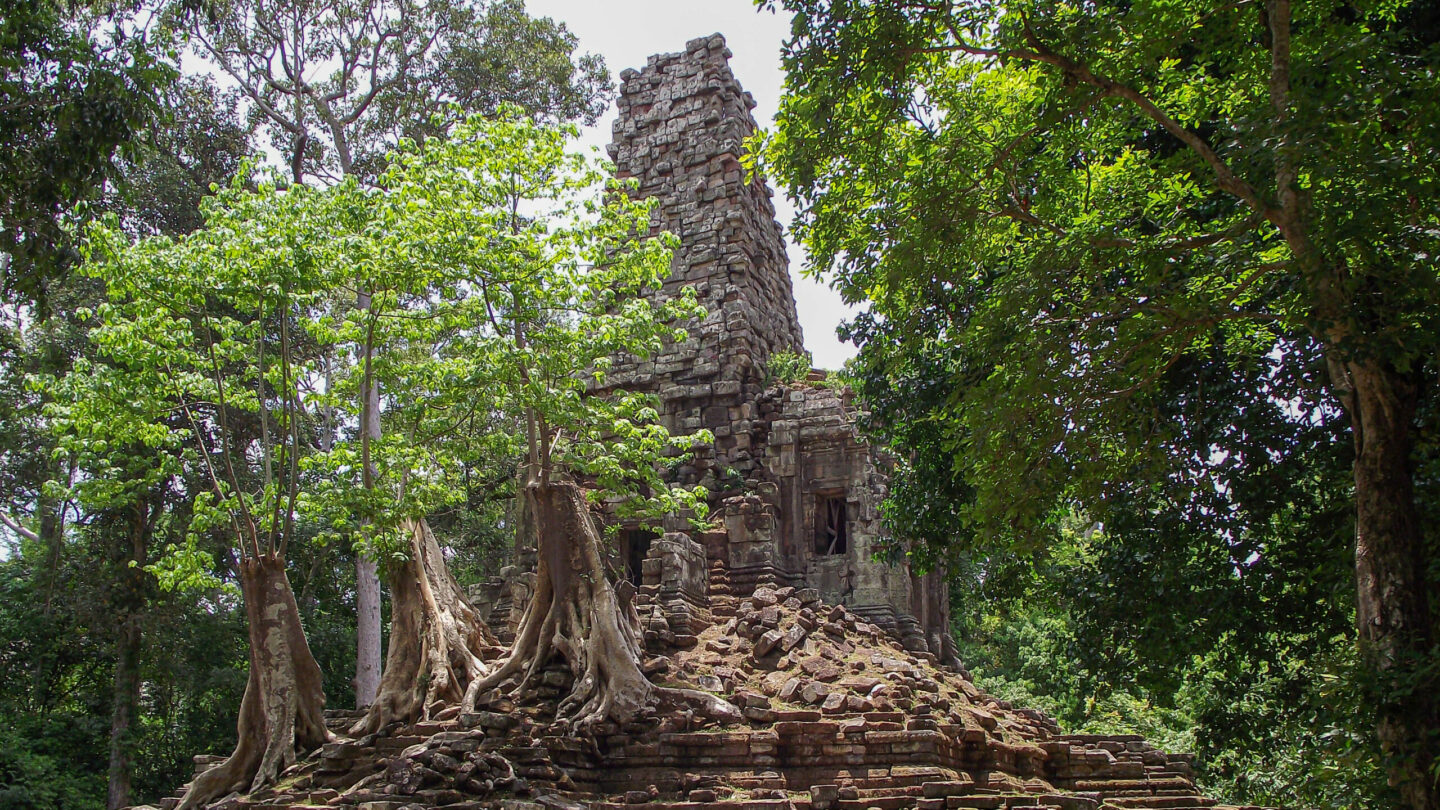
625 32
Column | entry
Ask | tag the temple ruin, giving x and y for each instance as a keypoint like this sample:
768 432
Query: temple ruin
795 490
840 665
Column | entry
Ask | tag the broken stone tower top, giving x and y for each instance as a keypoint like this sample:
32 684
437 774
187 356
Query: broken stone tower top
795 490
680 134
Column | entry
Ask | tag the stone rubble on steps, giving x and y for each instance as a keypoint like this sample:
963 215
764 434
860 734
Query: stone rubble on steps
839 717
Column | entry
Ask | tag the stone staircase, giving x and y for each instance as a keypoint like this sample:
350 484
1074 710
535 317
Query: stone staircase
839 716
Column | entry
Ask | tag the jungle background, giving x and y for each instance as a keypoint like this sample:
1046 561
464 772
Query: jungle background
1215 613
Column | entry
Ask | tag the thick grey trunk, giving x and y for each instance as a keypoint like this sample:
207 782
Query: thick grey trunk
437 640
576 614
1392 592
367 632
282 713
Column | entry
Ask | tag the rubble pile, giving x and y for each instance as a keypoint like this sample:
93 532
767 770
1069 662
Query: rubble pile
838 715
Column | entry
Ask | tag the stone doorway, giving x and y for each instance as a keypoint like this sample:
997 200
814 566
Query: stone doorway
832 532
635 545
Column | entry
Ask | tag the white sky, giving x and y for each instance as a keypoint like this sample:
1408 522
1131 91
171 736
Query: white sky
625 32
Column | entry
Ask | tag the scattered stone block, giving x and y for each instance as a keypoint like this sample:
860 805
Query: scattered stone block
768 642
824 797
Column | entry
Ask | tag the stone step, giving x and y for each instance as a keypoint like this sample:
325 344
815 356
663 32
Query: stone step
910 791
427 728
394 745
892 802
1164 791
1155 802
1112 806
1134 786
719 804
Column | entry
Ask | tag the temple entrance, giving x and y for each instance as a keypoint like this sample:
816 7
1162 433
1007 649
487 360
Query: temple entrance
832 535
635 545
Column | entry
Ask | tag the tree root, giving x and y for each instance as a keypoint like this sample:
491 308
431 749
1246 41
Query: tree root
282 710
438 641
575 614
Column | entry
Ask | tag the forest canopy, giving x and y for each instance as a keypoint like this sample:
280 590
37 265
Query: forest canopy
1153 308
297 346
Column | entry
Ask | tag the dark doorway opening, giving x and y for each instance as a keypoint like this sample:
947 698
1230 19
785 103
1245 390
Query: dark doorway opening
635 543
832 535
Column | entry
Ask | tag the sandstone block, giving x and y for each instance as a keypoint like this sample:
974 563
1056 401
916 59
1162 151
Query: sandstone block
767 643
790 689
824 797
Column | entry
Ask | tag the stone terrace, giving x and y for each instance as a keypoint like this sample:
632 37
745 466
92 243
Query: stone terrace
837 715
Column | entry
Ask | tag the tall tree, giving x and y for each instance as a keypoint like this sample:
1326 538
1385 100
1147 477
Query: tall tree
502 282
1089 199
337 84
557 302
200 360
83 89
76 87
158 189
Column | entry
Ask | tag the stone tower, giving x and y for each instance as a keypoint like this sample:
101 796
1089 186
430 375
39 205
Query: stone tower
795 486
680 134
795 490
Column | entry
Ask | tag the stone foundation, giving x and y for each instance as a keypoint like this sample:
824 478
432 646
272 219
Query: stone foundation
837 716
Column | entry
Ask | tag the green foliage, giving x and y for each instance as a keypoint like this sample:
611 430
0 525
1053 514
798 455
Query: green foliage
1075 249
211 343
57 655
182 368
36 776
379 72
1278 717
786 367
556 293
497 55
76 88
201 141
53 675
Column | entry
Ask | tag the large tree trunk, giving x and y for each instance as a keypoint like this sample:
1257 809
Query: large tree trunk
122 713
576 615
282 711
437 639
367 632
130 607
1393 600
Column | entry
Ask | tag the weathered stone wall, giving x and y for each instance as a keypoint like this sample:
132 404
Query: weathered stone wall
815 454
788 464
782 454
680 134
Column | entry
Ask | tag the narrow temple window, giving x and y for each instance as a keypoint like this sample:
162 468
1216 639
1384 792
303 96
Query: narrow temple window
833 533
636 544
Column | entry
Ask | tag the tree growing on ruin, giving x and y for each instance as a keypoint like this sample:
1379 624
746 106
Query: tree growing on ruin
201 356
517 271
337 85
1069 209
